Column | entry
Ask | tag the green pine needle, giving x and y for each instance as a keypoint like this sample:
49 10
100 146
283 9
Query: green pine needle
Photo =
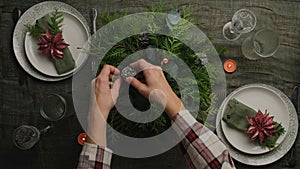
57 19
34 30
53 22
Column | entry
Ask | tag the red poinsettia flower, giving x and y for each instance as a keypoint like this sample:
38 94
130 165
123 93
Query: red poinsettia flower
261 126
52 45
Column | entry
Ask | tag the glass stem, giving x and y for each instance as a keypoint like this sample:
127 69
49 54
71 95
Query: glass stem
45 130
231 29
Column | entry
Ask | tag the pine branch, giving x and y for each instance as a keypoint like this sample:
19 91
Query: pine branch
34 30
53 22
57 19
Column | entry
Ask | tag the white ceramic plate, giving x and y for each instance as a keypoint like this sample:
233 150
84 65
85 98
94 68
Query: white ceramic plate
256 97
31 15
287 142
74 33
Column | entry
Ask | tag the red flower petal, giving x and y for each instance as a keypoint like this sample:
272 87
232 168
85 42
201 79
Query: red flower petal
60 56
259 117
261 126
269 120
45 51
43 39
49 34
52 45
267 133
261 137
58 52
57 37
52 53
253 137
43 45
270 127
61 46
250 120
251 129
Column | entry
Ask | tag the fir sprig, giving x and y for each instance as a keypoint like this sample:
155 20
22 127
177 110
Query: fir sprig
34 30
56 21
52 21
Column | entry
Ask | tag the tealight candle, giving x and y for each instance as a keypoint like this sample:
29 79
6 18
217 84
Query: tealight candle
81 138
229 66
164 61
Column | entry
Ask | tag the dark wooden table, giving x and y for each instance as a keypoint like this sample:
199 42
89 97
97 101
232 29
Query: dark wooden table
21 94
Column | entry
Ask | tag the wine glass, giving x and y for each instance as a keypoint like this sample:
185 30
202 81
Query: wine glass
264 43
173 18
25 136
243 21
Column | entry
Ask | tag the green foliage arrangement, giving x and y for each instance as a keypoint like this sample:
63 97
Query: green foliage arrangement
142 41
52 21
270 142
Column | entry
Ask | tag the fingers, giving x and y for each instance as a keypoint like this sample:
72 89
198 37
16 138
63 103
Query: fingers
142 88
115 90
107 75
108 71
116 85
142 64
93 83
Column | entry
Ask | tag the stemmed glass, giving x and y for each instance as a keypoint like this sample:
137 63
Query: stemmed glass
243 21
25 136
173 18
53 108
264 43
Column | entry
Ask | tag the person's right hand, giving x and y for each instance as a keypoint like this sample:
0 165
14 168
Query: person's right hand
104 94
156 87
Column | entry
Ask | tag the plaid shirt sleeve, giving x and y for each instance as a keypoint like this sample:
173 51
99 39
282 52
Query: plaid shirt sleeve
94 157
200 146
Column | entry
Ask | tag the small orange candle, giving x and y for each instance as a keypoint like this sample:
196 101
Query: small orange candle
81 138
229 66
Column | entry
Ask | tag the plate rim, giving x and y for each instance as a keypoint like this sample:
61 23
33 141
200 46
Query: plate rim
272 156
69 72
19 33
231 96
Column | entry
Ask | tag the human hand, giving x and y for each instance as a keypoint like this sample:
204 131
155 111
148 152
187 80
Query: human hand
155 87
106 91
104 94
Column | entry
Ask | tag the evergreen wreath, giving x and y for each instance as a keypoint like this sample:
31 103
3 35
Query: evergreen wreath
142 41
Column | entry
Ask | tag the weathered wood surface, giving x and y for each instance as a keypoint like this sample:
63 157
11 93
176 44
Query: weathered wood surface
58 149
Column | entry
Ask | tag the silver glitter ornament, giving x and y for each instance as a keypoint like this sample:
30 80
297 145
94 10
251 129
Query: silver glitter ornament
128 72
